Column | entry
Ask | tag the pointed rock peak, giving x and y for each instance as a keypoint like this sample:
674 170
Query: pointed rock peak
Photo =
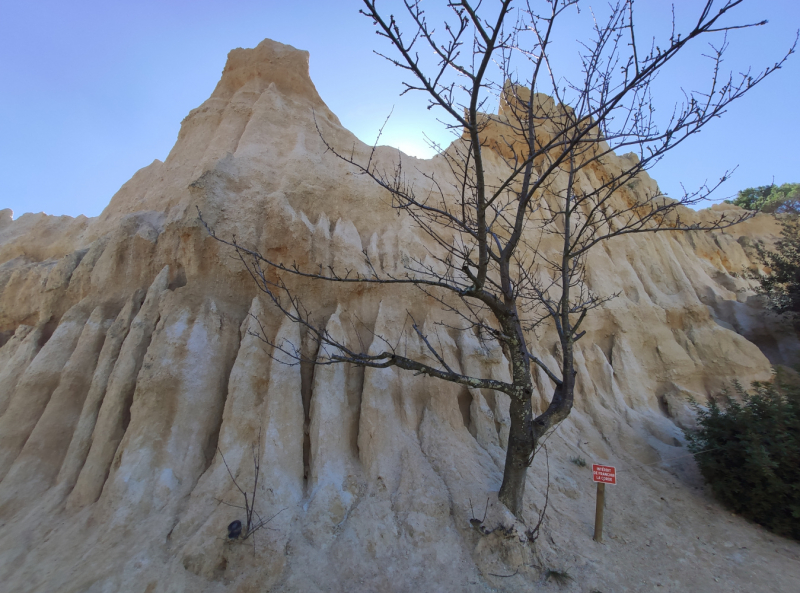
269 63
346 230
162 280
323 225
307 221
339 311
336 333
251 323
515 98
256 309
287 342
335 327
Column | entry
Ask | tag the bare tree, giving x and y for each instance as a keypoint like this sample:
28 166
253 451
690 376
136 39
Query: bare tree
510 241
253 519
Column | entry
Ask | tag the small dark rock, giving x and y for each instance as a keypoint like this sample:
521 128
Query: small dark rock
235 530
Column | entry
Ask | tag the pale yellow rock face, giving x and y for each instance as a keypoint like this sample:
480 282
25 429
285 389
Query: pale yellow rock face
128 362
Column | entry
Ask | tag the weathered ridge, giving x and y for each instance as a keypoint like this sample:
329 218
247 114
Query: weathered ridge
129 360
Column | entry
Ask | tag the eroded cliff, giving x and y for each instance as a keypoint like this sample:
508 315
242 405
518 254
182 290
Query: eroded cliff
128 358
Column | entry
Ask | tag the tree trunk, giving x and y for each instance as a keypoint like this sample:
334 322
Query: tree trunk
525 434
518 455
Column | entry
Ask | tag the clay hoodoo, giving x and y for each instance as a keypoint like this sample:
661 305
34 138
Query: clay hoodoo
128 360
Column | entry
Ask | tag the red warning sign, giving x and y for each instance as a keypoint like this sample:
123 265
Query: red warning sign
604 473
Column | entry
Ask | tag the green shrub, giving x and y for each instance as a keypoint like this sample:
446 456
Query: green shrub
752 458
781 286
778 199
579 461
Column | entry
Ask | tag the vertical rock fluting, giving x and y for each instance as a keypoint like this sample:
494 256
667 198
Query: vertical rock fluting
489 410
37 465
125 421
114 412
332 476
81 440
37 384
390 408
283 420
17 354
247 388
264 401
177 408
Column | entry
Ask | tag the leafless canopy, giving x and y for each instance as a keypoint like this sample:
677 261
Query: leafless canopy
529 191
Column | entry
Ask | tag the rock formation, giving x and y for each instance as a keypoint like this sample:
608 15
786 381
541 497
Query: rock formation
129 360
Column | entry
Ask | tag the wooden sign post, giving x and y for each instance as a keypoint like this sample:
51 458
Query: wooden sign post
602 474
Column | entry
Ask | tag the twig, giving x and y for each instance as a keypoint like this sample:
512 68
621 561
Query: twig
504 576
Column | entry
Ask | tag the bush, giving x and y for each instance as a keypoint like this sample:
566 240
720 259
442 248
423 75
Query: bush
781 286
752 461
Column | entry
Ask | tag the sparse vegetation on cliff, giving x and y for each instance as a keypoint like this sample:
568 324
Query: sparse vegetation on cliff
781 286
778 199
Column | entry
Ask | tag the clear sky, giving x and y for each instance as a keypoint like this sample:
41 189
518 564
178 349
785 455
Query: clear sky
91 91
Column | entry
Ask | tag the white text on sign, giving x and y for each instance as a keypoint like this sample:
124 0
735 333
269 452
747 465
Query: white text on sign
604 473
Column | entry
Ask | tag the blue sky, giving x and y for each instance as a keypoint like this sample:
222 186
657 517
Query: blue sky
91 91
